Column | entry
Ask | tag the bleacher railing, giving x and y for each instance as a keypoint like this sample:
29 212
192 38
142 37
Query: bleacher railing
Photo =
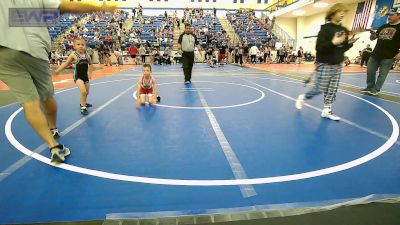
284 36
276 29
235 40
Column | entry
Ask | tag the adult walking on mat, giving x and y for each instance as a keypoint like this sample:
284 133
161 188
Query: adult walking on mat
24 65
332 42
187 42
386 51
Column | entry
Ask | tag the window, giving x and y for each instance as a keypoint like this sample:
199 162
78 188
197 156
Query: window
265 1
259 1
214 0
234 1
241 1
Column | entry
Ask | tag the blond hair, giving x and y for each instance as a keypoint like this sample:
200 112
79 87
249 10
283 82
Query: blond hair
334 9
79 39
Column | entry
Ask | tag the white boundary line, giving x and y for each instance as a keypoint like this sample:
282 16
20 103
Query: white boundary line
63 81
292 80
320 110
236 167
4 106
351 85
21 162
334 169
213 107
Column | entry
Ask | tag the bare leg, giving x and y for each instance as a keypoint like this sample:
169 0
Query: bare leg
36 118
82 91
152 99
142 98
50 109
87 86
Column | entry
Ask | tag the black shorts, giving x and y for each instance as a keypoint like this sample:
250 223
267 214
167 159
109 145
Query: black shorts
83 77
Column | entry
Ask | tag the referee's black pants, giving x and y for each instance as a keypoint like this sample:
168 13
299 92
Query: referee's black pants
187 61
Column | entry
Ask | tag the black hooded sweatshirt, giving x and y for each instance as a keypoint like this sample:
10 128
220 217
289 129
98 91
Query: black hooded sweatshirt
326 51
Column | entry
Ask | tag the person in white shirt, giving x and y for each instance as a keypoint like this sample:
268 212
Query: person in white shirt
187 42
253 54
118 55
24 66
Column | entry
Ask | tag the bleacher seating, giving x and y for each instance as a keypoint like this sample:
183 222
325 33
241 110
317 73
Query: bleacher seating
213 27
147 31
66 21
258 34
100 27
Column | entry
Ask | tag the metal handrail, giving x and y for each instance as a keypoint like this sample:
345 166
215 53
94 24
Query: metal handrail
284 36
281 33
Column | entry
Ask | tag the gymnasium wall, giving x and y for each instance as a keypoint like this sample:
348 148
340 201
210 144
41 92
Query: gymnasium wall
289 25
310 26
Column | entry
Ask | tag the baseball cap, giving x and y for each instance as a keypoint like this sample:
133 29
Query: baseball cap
393 11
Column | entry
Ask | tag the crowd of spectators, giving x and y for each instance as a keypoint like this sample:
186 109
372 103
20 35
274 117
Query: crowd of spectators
150 38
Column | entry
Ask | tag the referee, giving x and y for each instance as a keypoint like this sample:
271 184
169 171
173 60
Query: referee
187 42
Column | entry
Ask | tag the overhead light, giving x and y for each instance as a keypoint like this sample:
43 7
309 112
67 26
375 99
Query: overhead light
299 12
320 4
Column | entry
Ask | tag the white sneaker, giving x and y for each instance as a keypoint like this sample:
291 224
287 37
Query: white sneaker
300 101
327 113
58 153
